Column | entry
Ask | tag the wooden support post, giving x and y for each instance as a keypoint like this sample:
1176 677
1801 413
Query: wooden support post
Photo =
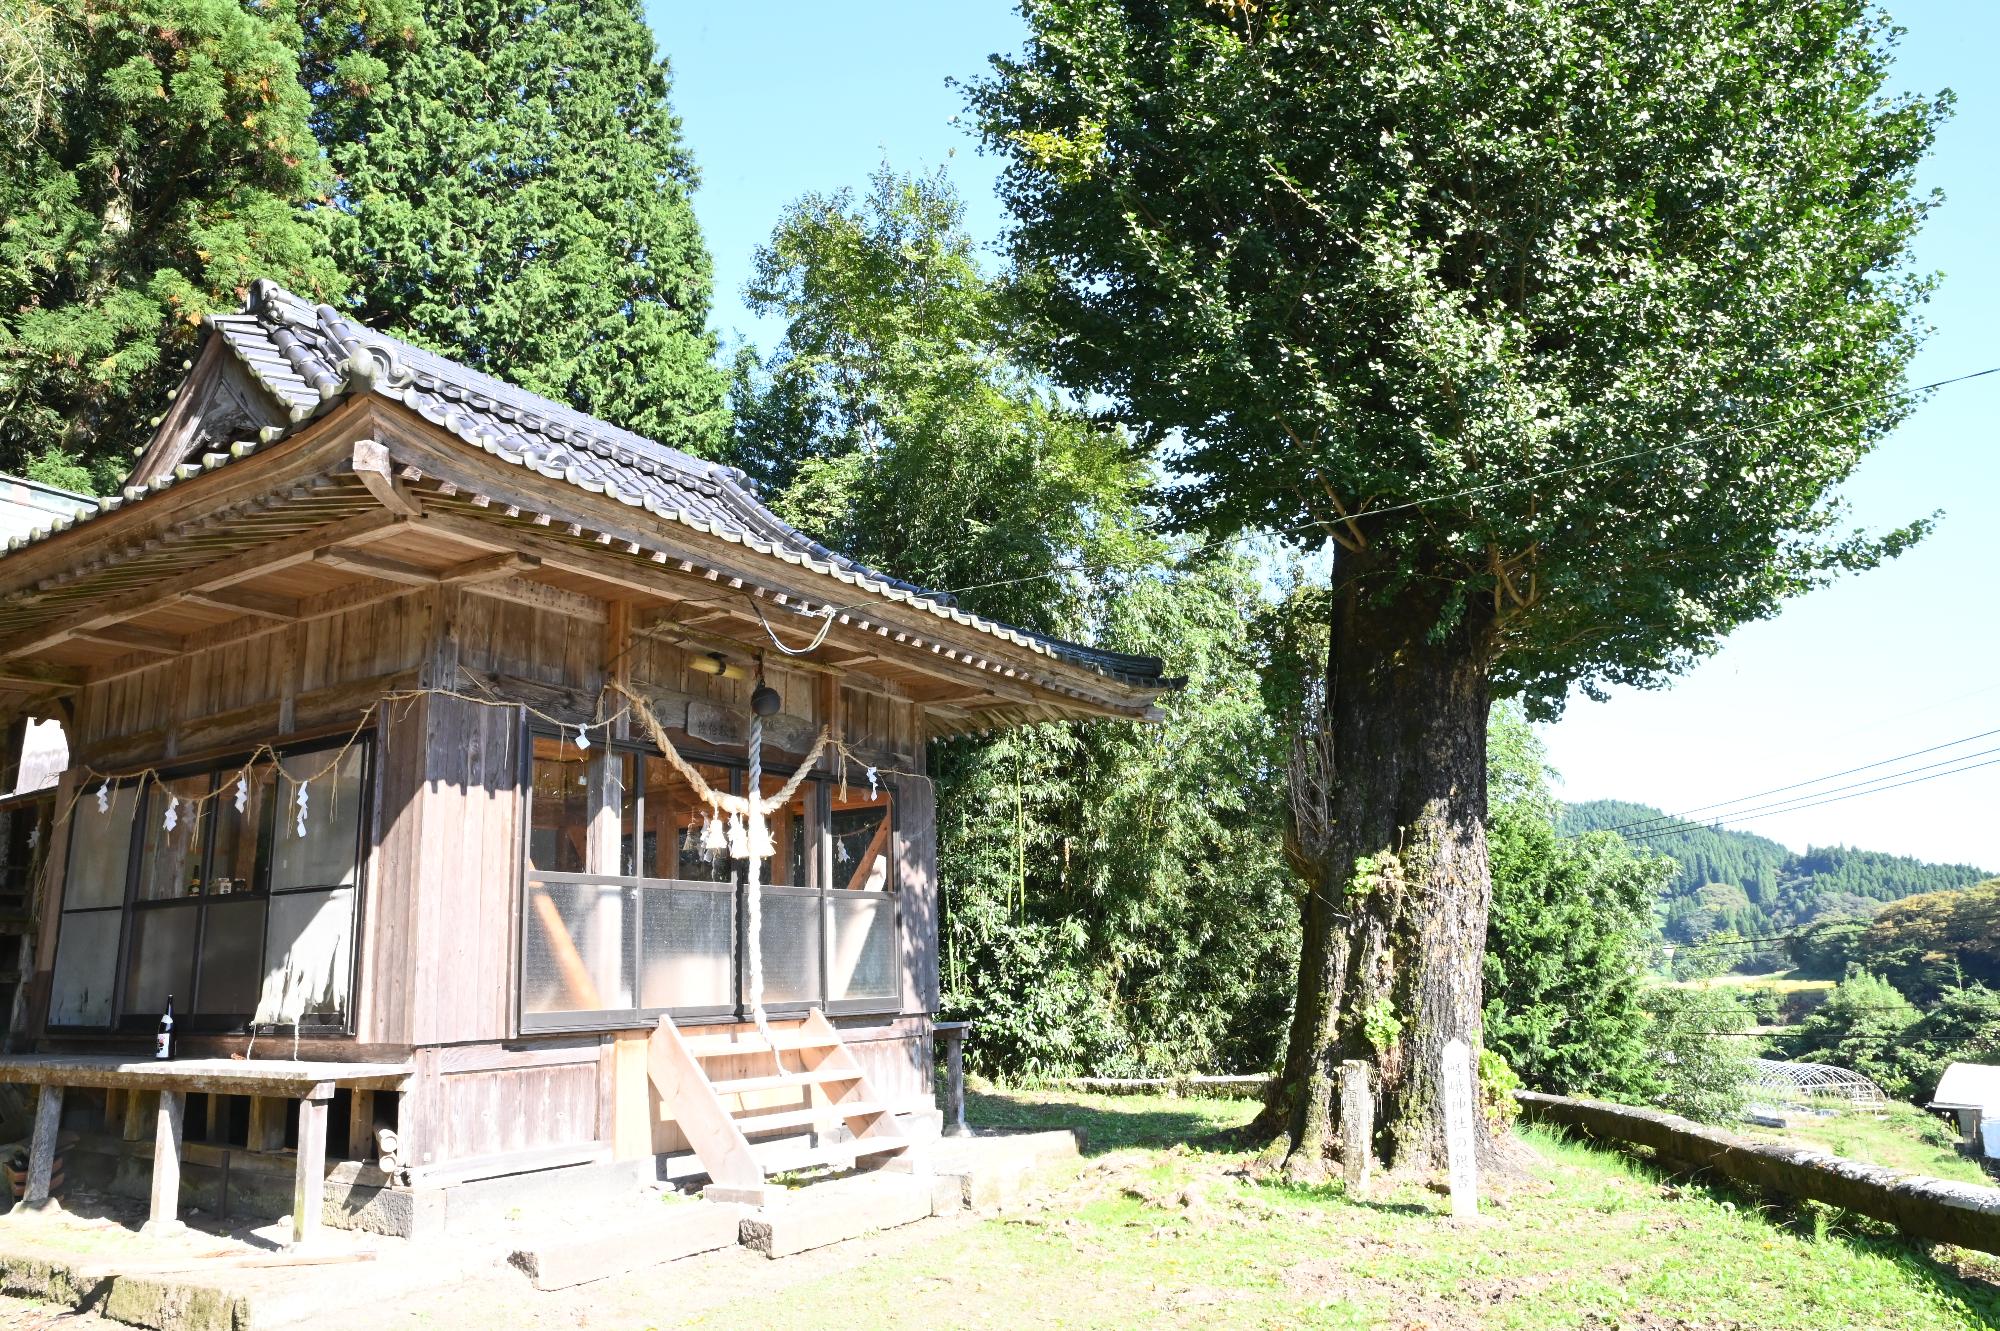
618 657
632 1114
309 1186
138 1114
42 1149
164 1217
1459 1127
361 1125
216 1131
1357 1124
267 1123
953 1034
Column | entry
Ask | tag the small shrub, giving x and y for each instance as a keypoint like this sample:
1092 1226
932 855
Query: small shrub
1699 1068
1497 1084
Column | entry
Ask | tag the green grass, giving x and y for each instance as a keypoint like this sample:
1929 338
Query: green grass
1154 1229
1113 1122
1899 1136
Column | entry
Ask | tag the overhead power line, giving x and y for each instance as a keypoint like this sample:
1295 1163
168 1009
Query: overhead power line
1687 814
1799 807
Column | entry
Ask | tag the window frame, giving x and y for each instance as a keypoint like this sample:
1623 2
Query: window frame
130 905
601 1019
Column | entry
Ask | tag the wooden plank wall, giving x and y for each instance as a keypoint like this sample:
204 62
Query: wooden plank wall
917 880
541 645
495 1101
468 869
896 1054
295 679
388 952
439 928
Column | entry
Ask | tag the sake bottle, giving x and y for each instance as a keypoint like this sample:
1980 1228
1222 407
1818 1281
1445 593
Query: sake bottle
163 1043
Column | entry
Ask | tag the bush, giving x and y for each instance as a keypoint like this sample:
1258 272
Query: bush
1698 1067
1862 1027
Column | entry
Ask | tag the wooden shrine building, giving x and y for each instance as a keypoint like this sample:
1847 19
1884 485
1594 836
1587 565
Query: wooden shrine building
408 721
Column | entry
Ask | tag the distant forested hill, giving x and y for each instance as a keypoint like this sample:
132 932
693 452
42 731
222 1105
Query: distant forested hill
1741 881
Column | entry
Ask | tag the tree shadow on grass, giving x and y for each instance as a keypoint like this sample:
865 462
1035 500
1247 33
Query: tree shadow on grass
1114 1123
1337 1191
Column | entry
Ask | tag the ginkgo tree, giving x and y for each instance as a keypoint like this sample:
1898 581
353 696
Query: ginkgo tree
1561 320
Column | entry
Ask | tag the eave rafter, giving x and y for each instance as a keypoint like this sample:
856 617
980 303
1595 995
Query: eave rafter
336 494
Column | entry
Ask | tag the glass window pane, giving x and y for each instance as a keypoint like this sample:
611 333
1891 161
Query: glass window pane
307 957
687 947
329 852
86 967
575 952
861 849
162 962
242 840
100 847
232 952
170 863
863 962
791 947
558 839
795 834
675 824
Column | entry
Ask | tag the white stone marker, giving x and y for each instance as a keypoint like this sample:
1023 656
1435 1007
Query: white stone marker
1357 1123
1458 1131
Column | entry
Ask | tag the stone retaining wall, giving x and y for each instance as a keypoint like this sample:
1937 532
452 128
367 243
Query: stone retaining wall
1927 1208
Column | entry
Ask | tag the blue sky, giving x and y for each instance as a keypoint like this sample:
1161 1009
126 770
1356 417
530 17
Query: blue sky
782 98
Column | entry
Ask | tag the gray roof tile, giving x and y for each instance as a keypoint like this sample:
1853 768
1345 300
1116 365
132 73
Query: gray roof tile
310 356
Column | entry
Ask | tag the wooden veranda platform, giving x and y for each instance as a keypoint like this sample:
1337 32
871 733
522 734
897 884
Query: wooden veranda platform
312 1084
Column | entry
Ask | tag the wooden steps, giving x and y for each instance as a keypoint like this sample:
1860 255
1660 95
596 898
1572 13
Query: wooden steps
780 1081
750 1042
751 1124
724 1088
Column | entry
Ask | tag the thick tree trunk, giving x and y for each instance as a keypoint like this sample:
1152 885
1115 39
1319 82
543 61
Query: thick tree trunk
1391 842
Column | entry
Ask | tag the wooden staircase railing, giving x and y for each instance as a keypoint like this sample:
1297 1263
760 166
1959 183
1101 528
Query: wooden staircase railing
743 1101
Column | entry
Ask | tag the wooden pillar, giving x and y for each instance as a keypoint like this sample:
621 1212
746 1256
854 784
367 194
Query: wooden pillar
631 1097
361 1125
42 1149
13 740
953 1033
309 1182
216 1130
267 1123
139 1112
164 1217
618 660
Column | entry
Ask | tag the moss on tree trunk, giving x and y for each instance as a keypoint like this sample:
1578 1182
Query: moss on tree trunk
1391 845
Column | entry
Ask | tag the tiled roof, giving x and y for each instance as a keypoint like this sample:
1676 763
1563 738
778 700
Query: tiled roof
308 357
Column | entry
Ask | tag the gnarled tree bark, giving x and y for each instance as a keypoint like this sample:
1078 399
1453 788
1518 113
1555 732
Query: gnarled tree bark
1388 837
